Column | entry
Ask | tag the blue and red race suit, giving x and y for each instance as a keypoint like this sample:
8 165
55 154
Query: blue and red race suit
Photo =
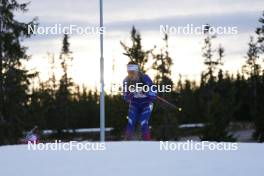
140 104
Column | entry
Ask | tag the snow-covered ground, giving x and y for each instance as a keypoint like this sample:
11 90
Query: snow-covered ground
132 159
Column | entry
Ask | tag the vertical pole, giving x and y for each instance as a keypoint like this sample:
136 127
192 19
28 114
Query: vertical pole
1 73
102 100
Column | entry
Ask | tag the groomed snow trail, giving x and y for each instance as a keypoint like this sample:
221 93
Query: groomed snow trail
132 159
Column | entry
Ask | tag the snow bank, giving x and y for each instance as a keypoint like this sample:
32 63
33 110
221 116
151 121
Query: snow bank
132 159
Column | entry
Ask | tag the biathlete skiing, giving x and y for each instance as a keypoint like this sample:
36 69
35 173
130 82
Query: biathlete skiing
140 94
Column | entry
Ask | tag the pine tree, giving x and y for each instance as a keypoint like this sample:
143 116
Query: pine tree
253 69
252 66
64 92
14 78
254 57
208 53
260 33
215 97
162 65
136 53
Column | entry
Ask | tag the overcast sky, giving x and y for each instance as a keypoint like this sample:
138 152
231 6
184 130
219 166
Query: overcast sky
147 16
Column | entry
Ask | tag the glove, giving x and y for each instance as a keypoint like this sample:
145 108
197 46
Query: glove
152 96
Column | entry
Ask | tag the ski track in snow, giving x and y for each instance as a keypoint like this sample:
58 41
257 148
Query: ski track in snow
132 159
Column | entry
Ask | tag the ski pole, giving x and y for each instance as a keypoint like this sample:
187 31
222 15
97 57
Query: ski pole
165 101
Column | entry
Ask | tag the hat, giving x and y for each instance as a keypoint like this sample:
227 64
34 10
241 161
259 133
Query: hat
132 67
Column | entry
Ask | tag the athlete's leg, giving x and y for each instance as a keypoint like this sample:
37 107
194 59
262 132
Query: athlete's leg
144 119
132 119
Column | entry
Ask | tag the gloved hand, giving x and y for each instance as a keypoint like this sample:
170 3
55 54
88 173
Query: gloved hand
152 96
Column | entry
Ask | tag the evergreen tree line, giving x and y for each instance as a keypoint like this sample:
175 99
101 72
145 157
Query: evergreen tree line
217 100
